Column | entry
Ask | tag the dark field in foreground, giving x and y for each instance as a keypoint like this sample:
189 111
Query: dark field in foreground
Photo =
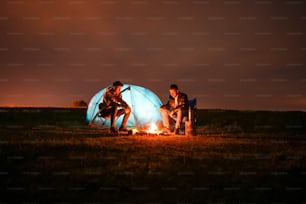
50 156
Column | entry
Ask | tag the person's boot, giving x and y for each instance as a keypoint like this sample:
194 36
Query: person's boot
177 131
123 129
113 130
166 130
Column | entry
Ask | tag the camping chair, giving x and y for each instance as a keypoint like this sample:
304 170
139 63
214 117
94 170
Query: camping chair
189 120
193 116
99 115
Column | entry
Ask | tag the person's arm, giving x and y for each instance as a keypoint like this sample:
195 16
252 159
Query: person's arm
120 101
166 106
183 101
109 98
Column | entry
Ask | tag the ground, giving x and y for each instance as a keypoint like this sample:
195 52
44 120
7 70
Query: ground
43 161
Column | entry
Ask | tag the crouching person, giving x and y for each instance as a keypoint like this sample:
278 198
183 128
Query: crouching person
114 106
176 108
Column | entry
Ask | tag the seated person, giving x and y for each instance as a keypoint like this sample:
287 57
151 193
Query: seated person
176 108
114 106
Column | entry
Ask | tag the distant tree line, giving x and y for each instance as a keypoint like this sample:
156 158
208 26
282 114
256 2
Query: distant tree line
79 103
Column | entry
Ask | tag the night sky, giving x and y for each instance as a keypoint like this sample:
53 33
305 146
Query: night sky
248 54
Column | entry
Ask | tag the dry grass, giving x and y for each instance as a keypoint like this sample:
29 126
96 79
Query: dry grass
52 163
59 166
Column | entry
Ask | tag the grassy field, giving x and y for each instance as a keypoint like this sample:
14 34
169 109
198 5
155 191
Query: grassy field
49 155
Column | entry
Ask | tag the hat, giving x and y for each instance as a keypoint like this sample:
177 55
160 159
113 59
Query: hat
117 83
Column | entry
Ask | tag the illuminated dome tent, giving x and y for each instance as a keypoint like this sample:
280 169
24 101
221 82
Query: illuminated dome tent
144 104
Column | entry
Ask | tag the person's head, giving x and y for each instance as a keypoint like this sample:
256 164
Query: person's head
117 85
173 90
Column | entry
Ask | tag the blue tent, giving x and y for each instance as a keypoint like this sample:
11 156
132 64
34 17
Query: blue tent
144 104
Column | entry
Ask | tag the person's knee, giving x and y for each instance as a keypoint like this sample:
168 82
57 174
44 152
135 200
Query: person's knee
127 110
163 110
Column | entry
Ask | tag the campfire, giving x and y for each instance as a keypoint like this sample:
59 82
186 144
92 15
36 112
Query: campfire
153 129
150 129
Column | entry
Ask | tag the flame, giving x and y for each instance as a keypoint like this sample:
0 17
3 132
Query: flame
153 128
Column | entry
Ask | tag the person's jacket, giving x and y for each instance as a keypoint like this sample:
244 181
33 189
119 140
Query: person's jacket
182 102
111 100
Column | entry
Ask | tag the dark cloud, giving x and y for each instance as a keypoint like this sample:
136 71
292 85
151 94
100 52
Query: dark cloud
228 54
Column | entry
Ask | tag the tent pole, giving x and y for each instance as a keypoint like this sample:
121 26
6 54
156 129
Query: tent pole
133 106
93 113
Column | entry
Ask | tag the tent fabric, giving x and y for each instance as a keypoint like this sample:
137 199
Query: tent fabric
144 104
